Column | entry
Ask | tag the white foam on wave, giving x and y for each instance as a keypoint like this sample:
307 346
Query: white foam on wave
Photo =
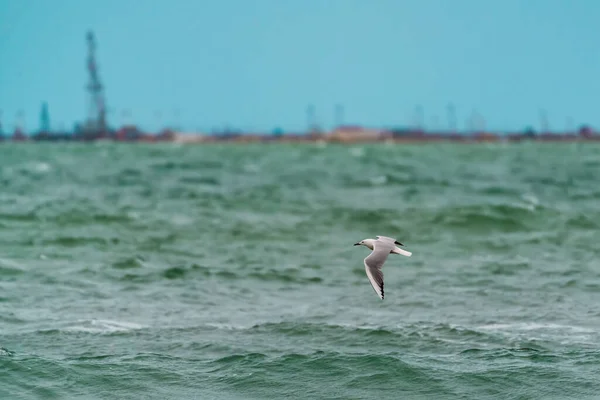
363 326
5 353
229 327
180 220
251 168
530 198
41 167
533 326
133 215
102 326
563 334
7 263
379 180
357 151
531 202
321 144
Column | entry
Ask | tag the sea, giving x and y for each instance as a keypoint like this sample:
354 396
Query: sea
228 271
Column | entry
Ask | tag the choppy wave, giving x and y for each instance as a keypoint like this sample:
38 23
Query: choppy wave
229 272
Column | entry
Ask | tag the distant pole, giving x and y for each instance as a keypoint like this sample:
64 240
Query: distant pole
1 129
310 118
435 122
468 124
44 118
570 125
177 120
471 123
158 116
478 121
20 117
125 117
451 111
339 115
420 117
544 127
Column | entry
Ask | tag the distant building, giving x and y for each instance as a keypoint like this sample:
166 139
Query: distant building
19 135
352 133
486 137
586 131
128 133
166 135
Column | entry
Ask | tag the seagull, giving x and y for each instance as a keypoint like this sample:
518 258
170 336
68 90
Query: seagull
382 247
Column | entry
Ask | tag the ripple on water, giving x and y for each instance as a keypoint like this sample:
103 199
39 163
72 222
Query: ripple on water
228 271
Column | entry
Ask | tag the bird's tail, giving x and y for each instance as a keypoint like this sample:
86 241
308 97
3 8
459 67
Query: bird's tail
398 250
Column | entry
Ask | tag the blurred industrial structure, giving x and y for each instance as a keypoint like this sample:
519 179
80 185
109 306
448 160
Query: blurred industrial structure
96 127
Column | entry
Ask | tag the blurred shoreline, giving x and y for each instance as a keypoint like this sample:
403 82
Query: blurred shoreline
342 134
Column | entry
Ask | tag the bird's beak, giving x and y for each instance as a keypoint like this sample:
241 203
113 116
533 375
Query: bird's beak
357 244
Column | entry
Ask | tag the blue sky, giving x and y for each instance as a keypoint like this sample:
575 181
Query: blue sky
257 64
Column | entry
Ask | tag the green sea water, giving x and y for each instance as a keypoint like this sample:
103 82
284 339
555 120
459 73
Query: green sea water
132 271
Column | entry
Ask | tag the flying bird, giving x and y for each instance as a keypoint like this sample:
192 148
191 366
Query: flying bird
382 247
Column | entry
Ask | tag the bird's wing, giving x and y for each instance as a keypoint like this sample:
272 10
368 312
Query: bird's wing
374 262
389 239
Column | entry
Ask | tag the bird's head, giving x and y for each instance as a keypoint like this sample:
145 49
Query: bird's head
366 242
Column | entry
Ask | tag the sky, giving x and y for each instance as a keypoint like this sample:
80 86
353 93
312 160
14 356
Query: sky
257 65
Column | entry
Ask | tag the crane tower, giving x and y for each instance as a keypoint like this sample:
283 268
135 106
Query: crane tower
97 111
